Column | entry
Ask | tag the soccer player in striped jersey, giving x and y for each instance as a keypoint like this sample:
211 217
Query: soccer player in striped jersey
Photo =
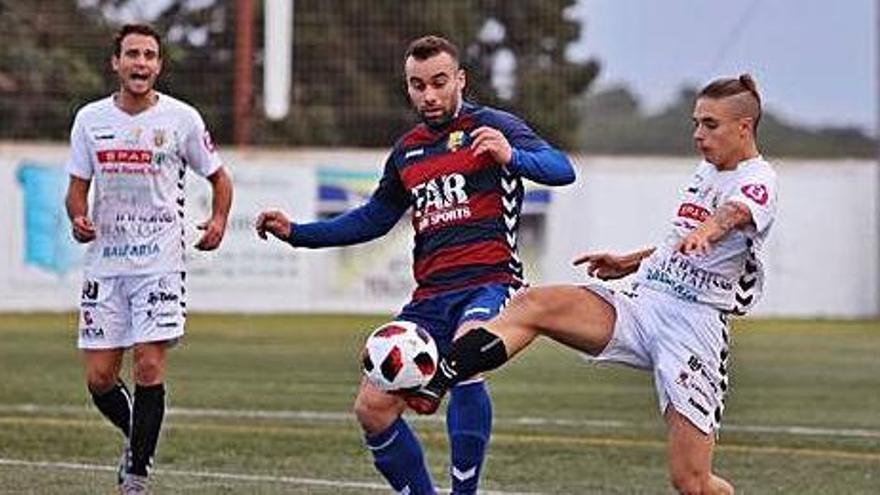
135 146
673 320
460 172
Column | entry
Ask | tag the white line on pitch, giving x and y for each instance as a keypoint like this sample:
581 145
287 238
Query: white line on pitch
301 415
290 480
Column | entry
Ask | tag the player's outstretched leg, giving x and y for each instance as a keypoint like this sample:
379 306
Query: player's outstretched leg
571 315
476 351
469 425
396 450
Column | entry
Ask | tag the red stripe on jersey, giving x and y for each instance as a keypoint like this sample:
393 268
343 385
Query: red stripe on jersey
694 212
478 253
478 207
492 278
125 156
419 135
423 135
461 161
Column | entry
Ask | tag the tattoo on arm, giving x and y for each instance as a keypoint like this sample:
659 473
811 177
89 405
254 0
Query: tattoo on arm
730 216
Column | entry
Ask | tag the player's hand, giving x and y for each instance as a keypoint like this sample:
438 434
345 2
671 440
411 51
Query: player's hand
83 229
492 141
275 222
697 242
213 234
604 266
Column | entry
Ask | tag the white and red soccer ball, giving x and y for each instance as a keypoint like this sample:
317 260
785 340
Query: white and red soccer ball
399 355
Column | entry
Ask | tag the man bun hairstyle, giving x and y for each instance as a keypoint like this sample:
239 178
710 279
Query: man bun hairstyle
428 46
743 87
144 29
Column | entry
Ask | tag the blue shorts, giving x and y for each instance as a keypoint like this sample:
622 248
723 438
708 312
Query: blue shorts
441 315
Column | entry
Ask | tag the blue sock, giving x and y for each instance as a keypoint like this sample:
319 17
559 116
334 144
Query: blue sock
469 424
397 454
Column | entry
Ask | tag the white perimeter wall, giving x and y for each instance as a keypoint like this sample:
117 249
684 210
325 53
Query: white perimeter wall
823 257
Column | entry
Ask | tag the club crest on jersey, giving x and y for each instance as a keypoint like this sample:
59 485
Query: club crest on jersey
455 141
757 193
158 137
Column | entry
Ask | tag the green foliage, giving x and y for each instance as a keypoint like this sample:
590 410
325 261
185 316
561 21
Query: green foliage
347 83
348 58
613 123
52 60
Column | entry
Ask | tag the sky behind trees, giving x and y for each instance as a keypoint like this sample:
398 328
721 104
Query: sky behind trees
814 59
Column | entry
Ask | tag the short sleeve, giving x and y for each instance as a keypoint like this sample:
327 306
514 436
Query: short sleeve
79 163
757 190
198 149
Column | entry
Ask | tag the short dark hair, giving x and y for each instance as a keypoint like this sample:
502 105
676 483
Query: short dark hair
733 86
144 29
428 46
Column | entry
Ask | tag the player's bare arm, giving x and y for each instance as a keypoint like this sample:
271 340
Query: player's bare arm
215 227
492 141
275 222
607 266
77 203
730 216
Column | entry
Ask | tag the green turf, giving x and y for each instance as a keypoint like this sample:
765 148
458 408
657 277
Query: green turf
816 374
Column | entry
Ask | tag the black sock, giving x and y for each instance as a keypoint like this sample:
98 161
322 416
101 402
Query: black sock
149 409
476 351
115 405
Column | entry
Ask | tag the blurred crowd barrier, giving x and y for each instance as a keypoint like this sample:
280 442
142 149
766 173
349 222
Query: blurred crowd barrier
822 256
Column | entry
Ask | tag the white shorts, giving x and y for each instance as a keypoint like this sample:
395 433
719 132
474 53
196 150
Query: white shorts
685 345
119 312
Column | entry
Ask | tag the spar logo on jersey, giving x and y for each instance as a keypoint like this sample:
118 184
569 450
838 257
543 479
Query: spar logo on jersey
757 193
130 161
694 212
440 201
125 156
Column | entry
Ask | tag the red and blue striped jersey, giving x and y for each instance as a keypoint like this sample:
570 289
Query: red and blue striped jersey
465 208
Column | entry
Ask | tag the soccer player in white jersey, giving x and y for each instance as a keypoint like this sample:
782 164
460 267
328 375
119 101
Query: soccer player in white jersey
135 146
673 320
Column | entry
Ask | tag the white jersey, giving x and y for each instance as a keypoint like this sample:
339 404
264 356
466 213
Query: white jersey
138 165
731 276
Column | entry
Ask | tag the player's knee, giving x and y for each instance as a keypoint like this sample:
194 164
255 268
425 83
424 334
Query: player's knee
691 482
534 303
100 380
148 370
373 415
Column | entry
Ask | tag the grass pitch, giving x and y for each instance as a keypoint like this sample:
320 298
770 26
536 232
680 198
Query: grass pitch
260 404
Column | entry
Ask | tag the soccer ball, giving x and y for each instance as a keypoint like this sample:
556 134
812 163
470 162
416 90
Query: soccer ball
399 355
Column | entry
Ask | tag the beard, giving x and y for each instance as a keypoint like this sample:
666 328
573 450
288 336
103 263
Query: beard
439 121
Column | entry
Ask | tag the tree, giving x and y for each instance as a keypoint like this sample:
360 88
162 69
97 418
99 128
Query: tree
348 85
612 122
348 59
54 57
